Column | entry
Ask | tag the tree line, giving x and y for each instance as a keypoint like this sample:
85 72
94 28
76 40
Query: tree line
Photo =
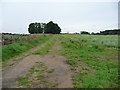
50 27
106 32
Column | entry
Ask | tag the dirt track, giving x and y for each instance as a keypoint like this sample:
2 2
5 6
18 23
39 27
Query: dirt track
52 60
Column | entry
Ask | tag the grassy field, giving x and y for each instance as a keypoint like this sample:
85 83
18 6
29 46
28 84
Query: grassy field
93 59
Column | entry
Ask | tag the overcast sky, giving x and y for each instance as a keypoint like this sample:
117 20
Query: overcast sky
72 16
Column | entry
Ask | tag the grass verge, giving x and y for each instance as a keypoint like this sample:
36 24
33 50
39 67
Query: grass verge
9 51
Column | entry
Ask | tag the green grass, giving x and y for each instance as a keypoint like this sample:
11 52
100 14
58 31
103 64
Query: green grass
47 48
40 76
24 81
84 71
98 53
72 62
50 71
9 51
99 79
45 81
54 84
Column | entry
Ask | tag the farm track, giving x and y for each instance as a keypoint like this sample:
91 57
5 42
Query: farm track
61 75
19 66
23 55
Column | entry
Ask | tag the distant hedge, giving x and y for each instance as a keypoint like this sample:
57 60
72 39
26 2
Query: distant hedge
108 32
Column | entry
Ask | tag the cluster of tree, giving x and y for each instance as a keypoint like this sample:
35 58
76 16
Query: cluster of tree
108 32
84 32
35 28
52 28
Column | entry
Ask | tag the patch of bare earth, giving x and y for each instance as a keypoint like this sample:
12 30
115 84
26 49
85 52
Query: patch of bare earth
11 74
61 76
